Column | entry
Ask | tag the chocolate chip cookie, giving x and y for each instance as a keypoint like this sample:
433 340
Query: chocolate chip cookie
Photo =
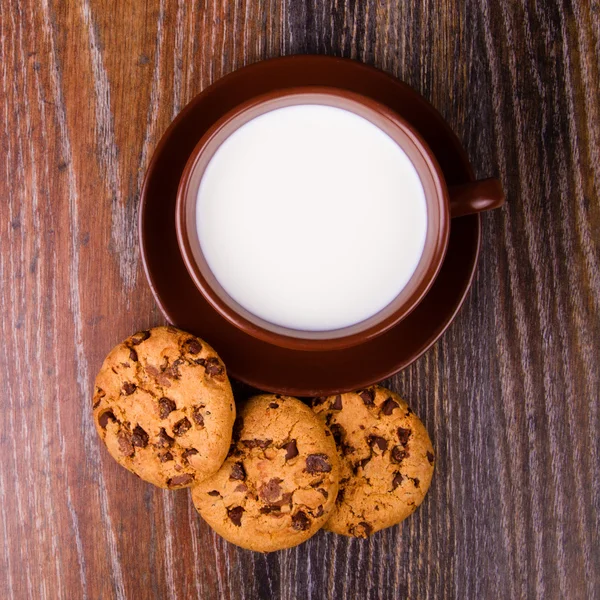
386 459
164 407
280 480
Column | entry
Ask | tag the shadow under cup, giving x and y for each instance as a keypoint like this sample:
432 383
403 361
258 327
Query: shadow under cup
469 199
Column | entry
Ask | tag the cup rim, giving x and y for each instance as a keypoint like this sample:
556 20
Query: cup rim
430 262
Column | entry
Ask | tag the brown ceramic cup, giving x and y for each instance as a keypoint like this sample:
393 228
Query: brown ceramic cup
443 204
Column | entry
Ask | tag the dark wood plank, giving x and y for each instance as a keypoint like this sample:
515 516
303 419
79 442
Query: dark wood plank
510 393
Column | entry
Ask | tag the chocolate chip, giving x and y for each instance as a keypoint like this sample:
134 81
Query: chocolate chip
105 417
164 439
323 492
125 445
139 337
180 480
318 463
242 487
430 457
139 437
300 522
397 480
399 454
340 497
189 452
256 443
338 433
213 366
165 407
271 490
129 388
403 435
388 406
178 468
166 457
133 355
319 512
193 346
163 379
273 405
275 507
238 473
152 370
367 396
291 450
337 403
213 493
285 499
173 370
362 530
416 481
271 508
235 514
181 426
197 416
377 441
318 401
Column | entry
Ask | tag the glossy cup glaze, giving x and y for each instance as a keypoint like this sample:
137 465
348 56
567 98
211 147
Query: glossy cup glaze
442 204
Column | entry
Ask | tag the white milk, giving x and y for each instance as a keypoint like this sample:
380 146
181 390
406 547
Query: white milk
311 217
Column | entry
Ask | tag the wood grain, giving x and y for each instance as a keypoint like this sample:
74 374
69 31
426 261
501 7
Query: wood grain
510 394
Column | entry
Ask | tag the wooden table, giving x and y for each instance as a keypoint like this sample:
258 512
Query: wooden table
510 393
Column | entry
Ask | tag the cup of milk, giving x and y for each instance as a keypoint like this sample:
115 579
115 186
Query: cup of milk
314 218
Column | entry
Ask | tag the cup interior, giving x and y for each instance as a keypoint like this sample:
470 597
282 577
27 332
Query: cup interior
436 234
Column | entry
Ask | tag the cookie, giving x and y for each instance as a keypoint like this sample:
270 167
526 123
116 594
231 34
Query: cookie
280 480
164 408
386 459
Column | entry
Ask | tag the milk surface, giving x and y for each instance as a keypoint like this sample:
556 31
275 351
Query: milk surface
311 217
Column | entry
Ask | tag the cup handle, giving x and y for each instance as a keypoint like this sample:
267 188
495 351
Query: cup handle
475 197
